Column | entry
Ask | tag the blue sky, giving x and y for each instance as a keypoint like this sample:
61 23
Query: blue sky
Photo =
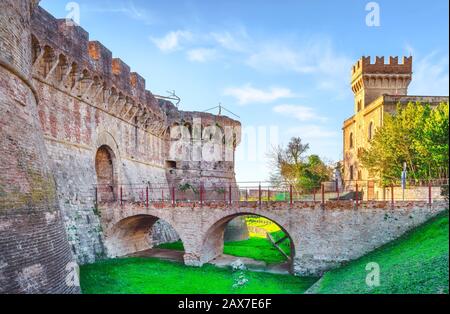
282 66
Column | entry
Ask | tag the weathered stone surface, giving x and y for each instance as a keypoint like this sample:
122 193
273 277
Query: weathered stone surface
236 230
76 124
322 237
80 135
34 252
162 232
104 130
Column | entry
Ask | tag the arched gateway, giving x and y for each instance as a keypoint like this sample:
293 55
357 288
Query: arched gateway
106 174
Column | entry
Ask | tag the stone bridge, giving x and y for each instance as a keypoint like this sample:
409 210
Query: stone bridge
322 235
73 116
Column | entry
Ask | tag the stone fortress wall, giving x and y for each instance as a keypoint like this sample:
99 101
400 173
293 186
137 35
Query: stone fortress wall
76 124
35 256
102 129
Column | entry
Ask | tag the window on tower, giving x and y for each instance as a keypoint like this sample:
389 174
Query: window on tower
370 131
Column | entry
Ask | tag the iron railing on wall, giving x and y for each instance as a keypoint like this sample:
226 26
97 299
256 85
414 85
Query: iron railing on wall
166 195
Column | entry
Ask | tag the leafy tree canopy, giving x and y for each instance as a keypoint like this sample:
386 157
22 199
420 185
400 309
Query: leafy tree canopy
416 134
292 165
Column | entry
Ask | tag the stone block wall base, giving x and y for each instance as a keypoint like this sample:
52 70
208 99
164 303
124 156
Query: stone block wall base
309 266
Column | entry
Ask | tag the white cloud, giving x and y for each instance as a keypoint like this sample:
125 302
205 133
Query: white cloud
230 41
316 58
312 132
276 57
129 9
248 94
201 55
301 113
190 42
172 40
430 74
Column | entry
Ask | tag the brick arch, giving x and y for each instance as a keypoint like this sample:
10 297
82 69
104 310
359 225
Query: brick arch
132 234
214 134
106 172
107 147
214 131
106 138
212 240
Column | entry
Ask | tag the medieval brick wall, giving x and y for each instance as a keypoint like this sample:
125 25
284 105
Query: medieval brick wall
103 130
163 232
34 253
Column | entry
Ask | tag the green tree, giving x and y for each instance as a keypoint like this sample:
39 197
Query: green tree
314 172
291 165
415 134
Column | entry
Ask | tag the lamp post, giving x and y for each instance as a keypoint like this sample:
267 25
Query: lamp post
404 175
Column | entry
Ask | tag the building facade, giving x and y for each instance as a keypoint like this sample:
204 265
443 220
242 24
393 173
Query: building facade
378 88
78 126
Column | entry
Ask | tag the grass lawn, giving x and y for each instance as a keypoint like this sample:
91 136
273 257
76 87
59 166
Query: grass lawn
153 276
416 263
257 247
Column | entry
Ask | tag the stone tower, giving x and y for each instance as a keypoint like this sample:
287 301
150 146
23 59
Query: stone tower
35 256
371 80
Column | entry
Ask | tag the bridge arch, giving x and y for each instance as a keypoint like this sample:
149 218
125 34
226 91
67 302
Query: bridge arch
133 234
213 239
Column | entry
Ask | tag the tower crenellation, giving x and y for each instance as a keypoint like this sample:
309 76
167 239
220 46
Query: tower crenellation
369 80
89 66
64 100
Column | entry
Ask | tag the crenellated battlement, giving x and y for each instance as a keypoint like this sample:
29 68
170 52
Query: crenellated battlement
101 58
64 57
365 66
369 80
74 115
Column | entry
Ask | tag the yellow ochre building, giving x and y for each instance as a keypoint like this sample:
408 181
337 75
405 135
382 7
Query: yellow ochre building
378 88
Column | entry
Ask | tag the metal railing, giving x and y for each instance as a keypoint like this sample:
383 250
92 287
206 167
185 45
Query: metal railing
223 193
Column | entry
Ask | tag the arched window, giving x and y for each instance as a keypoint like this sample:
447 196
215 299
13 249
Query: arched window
351 140
370 131
351 172
106 174
359 105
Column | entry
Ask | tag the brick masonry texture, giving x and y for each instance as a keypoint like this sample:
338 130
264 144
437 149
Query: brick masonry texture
34 252
101 127
322 237
76 124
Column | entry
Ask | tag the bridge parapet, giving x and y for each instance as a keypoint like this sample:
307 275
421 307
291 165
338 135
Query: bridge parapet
328 195
322 237
326 228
